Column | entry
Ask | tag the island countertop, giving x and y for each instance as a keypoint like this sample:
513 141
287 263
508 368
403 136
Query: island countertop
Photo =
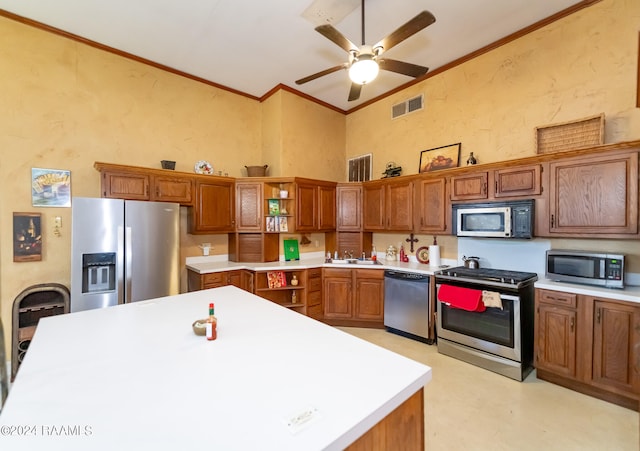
135 376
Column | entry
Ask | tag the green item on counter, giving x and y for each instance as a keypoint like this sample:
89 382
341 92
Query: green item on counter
291 250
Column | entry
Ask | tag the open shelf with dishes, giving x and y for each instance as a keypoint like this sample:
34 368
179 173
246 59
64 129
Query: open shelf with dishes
279 206
285 287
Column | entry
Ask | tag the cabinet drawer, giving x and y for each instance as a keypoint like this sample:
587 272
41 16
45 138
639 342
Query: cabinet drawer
214 278
337 272
314 272
557 298
369 274
315 284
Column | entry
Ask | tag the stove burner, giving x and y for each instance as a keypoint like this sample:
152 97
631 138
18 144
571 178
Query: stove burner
489 275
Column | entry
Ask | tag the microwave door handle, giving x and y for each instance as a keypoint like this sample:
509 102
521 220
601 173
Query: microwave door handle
507 221
602 269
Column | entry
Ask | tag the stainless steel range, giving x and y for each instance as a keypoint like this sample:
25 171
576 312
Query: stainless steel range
498 334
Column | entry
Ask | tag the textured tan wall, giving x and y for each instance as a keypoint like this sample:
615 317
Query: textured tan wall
65 105
583 65
313 140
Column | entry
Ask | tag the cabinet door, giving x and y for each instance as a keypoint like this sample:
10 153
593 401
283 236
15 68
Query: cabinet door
431 205
336 295
518 181
307 207
234 278
213 211
616 346
373 203
369 295
556 339
470 186
594 195
124 185
172 189
326 208
399 206
349 214
249 206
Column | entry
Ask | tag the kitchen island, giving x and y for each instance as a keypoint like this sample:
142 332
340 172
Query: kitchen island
135 376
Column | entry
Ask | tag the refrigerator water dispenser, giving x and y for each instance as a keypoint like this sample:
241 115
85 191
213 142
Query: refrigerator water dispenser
98 272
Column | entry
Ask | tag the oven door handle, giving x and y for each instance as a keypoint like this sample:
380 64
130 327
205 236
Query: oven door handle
509 297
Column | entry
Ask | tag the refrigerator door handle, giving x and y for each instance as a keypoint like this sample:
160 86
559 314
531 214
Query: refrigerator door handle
120 264
128 256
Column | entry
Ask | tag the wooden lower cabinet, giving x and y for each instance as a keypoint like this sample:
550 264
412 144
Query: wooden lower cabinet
314 293
616 346
240 278
353 297
589 344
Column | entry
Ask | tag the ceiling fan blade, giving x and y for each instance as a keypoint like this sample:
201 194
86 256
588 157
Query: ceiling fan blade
321 74
422 20
354 92
336 37
400 67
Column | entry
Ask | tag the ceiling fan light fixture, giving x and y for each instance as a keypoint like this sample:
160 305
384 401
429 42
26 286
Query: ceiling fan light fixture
364 70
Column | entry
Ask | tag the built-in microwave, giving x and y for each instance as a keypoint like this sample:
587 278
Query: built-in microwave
510 219
591 268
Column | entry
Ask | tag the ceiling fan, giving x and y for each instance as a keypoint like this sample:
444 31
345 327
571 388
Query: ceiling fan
365 61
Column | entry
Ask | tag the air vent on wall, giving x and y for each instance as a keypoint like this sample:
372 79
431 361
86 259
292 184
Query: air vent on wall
360 168
408 106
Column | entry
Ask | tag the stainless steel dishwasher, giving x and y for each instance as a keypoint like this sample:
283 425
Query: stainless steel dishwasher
407 308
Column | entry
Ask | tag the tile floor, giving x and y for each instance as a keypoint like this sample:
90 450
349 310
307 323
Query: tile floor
469 408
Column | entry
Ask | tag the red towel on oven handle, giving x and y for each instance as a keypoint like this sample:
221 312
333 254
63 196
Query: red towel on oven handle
462 298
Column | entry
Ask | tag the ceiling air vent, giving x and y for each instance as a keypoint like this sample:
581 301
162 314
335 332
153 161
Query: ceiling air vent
408 106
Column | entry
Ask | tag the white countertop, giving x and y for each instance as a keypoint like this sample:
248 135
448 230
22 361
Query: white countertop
203 266
135 376
629 293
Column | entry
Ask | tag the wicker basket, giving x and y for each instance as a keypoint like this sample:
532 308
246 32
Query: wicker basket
587 132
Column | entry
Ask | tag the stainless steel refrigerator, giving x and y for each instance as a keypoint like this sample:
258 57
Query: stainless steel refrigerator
123 251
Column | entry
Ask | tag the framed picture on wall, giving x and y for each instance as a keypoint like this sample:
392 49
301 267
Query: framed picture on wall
443 157
27 237
50 188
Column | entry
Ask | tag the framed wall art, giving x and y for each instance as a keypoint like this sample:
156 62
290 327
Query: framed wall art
50 188
27 237
443 157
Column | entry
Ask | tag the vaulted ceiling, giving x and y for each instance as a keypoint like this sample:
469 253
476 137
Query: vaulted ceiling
253 46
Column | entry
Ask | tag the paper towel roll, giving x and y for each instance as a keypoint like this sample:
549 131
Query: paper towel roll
434 255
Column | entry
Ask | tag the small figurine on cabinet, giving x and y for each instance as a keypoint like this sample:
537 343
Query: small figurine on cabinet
471 160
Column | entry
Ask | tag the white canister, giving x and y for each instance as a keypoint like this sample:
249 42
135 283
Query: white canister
284 194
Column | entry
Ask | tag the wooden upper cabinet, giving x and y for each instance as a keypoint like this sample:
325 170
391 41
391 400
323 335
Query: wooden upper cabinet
400 206
518 181
373 203
307 207
125 185
213 211
470 186
430 206
134 183
349 207
316 206
594 195
388 205
249 202
172 189
326 207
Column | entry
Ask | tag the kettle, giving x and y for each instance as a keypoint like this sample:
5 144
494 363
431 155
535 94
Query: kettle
471 262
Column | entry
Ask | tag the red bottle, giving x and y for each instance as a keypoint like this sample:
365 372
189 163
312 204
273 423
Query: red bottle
212 324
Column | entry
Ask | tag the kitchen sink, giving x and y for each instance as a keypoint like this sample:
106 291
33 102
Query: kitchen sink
354 261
